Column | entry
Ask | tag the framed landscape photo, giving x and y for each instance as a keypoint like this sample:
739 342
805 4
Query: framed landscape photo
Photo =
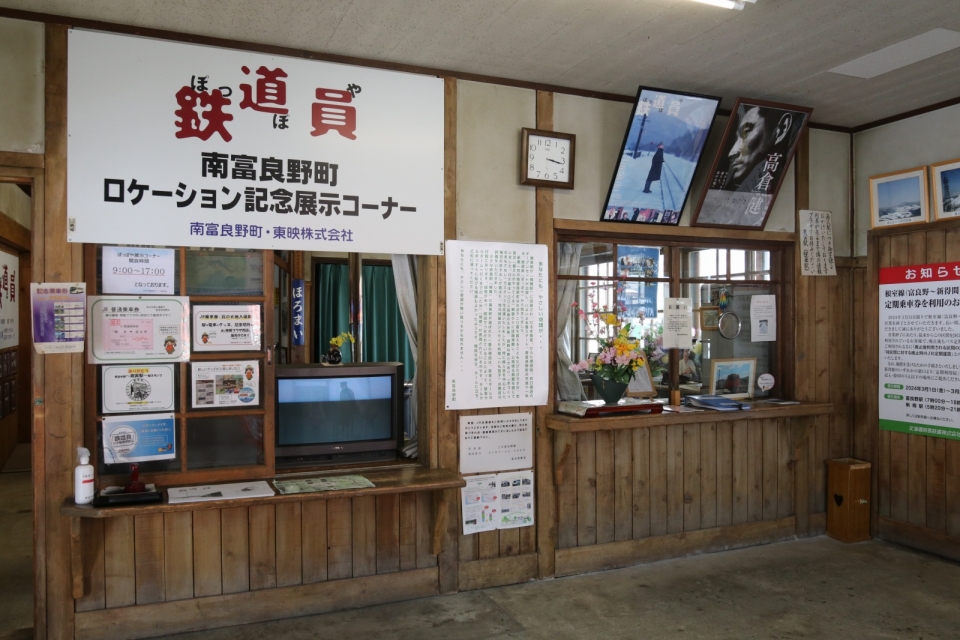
758 144
642 385
733 377
946 189
660 153
709 318
899 198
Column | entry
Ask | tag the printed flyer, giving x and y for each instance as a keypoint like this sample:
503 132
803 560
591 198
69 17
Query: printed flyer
138 329
497 501
138 388
233 327
58 313
226 384
139 438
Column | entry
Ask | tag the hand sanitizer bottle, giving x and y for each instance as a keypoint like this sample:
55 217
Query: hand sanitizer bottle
83 478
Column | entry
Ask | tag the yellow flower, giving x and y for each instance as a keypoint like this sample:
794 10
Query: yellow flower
610 319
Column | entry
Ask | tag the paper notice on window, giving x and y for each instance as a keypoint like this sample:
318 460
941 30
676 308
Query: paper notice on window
126 329
138 388
480 503
139 438
763 318
225 384
816 243
137 270
677 323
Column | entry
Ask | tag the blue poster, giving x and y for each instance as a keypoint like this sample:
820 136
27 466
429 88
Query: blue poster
297 304
139 438
640 298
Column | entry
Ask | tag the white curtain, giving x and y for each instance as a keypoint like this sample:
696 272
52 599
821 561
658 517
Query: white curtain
568 264
405 279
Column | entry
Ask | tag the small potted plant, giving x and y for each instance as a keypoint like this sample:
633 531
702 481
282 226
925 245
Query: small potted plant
620 354
333 353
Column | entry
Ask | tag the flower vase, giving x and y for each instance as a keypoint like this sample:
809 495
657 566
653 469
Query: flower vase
610 391
334 356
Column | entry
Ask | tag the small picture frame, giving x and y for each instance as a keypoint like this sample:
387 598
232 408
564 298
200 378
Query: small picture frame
642 385
709 318
899 198
946 189
733 377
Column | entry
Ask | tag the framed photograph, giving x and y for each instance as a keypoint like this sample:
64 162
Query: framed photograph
659 156
758 144
709 318
899 198
642 385
946 189
233 384
733 377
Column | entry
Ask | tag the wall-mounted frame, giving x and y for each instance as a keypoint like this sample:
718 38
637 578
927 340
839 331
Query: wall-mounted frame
661 151
899 198
733 377
232 327
946 189
642 385
709 318
758 144
225 385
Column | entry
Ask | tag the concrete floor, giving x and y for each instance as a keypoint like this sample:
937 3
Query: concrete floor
16 555
814 588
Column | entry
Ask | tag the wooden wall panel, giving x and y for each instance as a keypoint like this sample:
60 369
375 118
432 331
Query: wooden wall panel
178 555
234 549
263 547
148 558
118 562
207 553
289 544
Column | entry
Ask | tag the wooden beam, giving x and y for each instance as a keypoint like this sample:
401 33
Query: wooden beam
497 572
625 231
572 424
917 537
17 159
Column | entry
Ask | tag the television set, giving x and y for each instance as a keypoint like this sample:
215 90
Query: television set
338 414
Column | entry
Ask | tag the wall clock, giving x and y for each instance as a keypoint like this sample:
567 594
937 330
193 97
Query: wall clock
547 158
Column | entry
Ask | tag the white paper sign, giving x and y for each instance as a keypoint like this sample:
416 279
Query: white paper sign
225 384
497 442
179 144
138 388
816 243
500 501
138 329
497 325
677 323
763 318
234 327
137 270
516 499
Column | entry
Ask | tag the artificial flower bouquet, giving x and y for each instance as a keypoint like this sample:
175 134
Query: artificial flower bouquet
342 338
620 355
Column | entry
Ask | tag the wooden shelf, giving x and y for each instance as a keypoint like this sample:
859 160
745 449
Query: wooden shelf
559 422
394 480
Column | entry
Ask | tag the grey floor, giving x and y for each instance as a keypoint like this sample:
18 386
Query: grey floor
815 588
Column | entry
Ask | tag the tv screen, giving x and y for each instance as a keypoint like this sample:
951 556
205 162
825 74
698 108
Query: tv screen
660 153
330 410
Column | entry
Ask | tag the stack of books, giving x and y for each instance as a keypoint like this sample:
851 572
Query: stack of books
717 403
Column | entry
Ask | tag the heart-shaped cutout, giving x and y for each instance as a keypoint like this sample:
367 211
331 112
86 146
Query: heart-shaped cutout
838 499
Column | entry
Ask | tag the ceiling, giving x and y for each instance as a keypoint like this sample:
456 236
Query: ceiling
775 49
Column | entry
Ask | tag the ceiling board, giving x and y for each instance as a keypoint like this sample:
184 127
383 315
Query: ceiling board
775 49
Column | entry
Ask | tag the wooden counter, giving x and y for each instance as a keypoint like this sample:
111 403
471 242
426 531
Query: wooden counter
573 424
387 481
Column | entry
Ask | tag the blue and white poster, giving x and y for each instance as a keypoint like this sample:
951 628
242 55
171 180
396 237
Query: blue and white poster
638 299
139 438
659 156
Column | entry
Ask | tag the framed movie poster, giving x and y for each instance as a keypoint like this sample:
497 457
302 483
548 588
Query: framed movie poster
758 144
946 189
899 198
659 155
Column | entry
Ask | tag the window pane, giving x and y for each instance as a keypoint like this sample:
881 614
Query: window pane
222 272
596 260
224 441
725 264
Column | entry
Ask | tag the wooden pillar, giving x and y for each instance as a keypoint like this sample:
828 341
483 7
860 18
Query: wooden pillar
546 489
804 341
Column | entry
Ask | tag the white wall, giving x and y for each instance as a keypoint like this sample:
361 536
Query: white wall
491 203
15 203
21 86
830 183
914 142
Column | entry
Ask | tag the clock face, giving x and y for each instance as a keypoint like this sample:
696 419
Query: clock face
548 159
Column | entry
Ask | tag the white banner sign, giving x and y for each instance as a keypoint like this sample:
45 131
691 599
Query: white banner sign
138 329
497 325
186 145
138 387
919 349
497 442
225 384
234 327
137 270
9 300
677 323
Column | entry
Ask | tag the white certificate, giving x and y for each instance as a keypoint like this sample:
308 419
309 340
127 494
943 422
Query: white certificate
234 327
677 323
763 318
225 384
137 270
138 388
138 329
497 442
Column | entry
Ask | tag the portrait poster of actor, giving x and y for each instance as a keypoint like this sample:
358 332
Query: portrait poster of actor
758 144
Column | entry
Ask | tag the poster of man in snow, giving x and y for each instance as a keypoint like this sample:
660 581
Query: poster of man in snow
659 156
757 147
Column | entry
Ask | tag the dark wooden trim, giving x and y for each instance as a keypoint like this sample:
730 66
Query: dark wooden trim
497 572
17 159
859 262
615 555
905 115
946 223
566 227
572 424
917 537
13 234
830 127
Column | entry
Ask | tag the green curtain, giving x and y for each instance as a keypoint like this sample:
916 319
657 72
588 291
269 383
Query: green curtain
332 307
384 336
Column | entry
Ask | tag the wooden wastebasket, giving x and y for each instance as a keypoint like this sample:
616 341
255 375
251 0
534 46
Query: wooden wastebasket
848 499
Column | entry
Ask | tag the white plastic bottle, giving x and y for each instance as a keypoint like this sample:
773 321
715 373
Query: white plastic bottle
83 478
